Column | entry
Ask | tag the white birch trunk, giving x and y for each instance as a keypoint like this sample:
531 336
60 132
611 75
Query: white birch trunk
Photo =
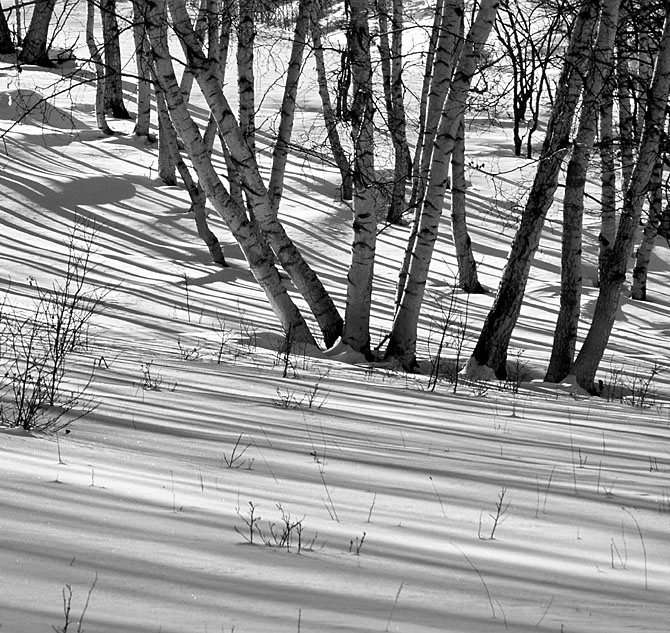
96 58
245 230
304 278
649 235
143 120
614 274
493 341
361 270
339 155
567 323
608 181
467 267
246 35
112 49
402 344
287 114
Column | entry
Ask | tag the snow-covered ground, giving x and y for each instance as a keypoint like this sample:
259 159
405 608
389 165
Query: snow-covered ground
407 509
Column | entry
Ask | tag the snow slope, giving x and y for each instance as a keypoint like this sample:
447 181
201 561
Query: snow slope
485 509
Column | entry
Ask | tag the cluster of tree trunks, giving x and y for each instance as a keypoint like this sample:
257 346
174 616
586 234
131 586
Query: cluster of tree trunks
603 75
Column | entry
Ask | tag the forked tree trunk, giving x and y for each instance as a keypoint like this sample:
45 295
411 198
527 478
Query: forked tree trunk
112 49
491 348
245 230
614 274
567 324
402 344
96 58
649 235
339 155
287 114
304 278
34 49
361 270
467 267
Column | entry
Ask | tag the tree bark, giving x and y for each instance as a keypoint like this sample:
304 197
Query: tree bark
493 341
112 49
339 155
567 324
195 191
361 270
392 65
96 58
402 344
245 230
608 186
143 120
246 35
287 114
467 267
34 49
614 274
205 72
649 235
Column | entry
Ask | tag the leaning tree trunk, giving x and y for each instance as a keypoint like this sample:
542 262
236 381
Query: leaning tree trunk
304 278
447 52
491 348
467 267
287 114
166 166
614 274
96 58
330 120
34 49
359 278
112 47
195 191
245 230
402 344
447 36
649 235
567 323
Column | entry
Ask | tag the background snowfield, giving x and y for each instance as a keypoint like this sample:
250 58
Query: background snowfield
145 503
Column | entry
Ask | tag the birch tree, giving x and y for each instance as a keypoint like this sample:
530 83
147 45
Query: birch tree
567 323
391 57
205 73
650 233
34 50
614 273
330 119
360 275
98 63
244 228
490 352
402 344
112 49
